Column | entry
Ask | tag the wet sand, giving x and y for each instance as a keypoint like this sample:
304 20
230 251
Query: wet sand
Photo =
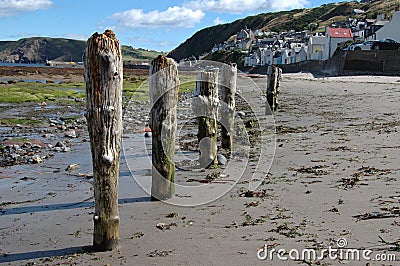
334 175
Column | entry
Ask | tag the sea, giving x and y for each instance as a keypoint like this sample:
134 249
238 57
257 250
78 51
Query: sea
22 64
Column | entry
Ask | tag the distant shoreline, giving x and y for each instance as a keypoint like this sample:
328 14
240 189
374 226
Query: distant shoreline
22 64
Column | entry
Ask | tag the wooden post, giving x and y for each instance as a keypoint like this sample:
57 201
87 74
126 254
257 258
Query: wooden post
228 91
274 76
205 108
103 77
164 86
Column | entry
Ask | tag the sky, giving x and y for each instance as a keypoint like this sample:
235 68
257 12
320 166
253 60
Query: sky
151 24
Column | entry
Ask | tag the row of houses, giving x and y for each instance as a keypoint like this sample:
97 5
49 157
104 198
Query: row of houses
265 48
317 48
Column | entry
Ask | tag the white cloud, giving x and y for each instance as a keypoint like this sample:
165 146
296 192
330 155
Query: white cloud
218 20
14 7
74 36
277 5
172 17
240 6
166 44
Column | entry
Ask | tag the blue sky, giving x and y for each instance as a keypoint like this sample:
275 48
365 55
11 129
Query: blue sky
153 24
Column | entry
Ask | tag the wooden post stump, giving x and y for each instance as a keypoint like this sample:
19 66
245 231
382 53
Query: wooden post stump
103 78
205 107
164 86
228 91
274 76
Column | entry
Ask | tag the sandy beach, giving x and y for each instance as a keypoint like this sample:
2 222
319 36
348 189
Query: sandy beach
327 177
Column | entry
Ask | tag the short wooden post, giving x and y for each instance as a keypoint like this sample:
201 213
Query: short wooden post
205 108
274 76
228 91
164 86
103 78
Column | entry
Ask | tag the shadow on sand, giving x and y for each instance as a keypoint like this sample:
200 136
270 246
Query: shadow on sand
65 206
53 207
43 254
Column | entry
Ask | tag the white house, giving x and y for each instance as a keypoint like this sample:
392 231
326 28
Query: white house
217 47
300 54
245 34
278 55
266 56
251 59
334 36
390 30
285 56
243 44
316 46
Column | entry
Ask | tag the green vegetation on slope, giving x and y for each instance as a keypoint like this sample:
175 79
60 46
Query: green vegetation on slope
138 55
39 49
227 56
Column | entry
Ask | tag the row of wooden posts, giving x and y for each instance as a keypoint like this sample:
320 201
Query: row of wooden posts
104 78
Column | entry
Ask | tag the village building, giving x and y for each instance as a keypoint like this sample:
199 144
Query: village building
316 47
266 56
267 48
389 30
373 25
245 34
299 54
251 59
334 37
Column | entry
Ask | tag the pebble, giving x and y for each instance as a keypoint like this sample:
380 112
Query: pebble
53 121
48 135
70 134
60 144
72 167
36 147
37 159
221 159
26 145
241 113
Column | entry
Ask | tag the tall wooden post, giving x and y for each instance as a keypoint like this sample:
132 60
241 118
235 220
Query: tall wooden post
164 86
228 91
103 77
274 76
205 108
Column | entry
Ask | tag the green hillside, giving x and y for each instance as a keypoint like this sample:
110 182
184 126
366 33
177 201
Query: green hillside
40 49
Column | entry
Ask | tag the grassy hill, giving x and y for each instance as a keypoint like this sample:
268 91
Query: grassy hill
315 19
138 55
40 49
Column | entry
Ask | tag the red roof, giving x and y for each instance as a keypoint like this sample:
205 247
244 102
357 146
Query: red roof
340 33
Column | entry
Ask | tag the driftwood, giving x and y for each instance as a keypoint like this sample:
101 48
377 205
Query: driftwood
205 107
274 76
103 77
164 85
228 91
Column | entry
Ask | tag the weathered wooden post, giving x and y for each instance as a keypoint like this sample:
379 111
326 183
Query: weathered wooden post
164 86
205 107
274 76
228 91
103 78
